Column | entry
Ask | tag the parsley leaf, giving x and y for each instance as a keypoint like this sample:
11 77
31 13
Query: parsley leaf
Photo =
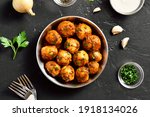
5 42
24 44
19 41
20 38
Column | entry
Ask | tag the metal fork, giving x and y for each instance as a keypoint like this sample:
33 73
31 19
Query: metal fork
24 80
22 91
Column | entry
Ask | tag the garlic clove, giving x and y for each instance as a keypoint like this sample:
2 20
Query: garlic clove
31 12
97 9
124 42
23 6
117 30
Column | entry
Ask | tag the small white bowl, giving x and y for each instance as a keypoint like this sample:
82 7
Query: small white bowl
116 8
139 70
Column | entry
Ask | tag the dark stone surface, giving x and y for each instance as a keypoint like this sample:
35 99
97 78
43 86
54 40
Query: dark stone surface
136 26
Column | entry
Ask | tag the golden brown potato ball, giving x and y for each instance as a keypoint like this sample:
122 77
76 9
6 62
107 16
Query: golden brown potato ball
80 58
66 29
93 67
72 45
64 57
95 56
82 74
67 73
53 37
83 30
53 68
92 42
49 52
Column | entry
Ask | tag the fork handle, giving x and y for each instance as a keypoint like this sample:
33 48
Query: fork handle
31 97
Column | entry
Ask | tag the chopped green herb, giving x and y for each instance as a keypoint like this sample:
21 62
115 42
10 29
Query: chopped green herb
85 44
78 30
93 57
56 68
129 74
15 43
78 63
54 42
67 44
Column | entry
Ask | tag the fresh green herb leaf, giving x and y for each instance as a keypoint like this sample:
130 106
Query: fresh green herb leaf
14 40
24 44
20 40
5 42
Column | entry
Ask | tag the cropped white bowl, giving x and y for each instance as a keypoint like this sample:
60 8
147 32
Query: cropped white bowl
128 13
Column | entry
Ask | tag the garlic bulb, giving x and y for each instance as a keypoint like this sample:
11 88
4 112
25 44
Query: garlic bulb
117 30
23 6
97 9
124 42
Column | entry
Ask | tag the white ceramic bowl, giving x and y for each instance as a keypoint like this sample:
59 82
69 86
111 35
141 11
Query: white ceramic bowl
96 30
116 8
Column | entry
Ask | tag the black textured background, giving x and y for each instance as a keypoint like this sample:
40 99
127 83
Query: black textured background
136 26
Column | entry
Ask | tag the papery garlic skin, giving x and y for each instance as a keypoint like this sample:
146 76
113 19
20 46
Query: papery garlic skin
23 6
117 30
124 42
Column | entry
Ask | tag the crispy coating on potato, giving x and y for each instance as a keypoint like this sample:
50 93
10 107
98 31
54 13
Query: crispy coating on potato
53 37
80 58
67 73
53 68
82 74
71 52
72 45
66 29
92 42
93 67
83 30
95 56
49 52
64 57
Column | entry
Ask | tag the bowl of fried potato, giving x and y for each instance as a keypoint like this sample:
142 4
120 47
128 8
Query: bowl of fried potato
72 51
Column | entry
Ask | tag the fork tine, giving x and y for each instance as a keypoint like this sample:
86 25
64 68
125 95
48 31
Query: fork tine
26 79
21 90
18 87
22 96
21 81
16 91
16 84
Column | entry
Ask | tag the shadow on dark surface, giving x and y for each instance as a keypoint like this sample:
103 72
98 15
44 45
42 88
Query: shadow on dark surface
8 12
10 93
